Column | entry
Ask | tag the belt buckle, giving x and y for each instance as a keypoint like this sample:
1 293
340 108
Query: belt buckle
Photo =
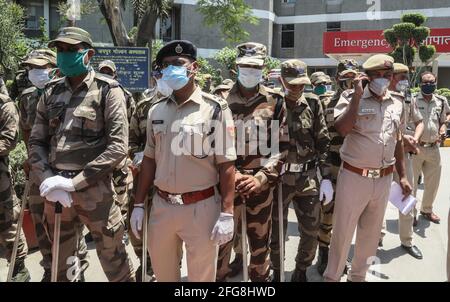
427 145
175 199
376 173
296 168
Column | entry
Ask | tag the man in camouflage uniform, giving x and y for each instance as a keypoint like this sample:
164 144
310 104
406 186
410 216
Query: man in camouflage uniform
80 135
20 82
122 176
347 70
40 63
304 153
256 173
9 205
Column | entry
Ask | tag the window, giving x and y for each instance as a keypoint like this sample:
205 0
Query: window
287 35
333 26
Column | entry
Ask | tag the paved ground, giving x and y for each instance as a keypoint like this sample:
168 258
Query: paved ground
394 265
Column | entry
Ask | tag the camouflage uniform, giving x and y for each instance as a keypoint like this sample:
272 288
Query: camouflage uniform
83 134
266 169
3 89
122 177
20 83
305 152
9 205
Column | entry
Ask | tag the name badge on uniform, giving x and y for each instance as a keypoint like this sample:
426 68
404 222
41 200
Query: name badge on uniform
367 111
157 122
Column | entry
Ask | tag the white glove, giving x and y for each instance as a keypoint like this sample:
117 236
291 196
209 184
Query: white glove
326 191
56 183
137 216
223 229
138 157
63 197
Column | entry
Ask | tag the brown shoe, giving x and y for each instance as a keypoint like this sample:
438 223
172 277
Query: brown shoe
431 217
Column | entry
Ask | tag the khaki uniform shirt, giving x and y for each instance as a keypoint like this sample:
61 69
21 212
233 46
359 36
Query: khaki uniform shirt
372 141
434 114
178 138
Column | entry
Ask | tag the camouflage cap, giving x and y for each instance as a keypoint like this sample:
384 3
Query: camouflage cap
295 72
347 66
400 68
379 62
107 63
40 57
71 35
319 77
251 53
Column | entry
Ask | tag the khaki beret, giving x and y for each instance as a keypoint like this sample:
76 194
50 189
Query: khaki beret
379 62
400 68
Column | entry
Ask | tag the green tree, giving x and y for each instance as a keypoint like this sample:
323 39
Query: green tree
12 40
229 16
408 40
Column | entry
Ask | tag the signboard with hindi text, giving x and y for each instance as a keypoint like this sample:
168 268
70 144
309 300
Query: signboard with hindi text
372 41
132 65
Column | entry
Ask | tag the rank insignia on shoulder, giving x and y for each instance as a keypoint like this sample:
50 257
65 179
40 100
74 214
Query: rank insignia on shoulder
157 122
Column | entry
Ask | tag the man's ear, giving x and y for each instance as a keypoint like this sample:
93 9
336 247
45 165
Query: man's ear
90 53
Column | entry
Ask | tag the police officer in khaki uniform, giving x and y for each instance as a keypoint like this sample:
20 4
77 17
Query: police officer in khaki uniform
370 119
187 206
80 135
413 119
434 109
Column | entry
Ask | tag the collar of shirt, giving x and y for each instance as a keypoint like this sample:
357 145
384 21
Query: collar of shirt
195 97
87 81
298 103
262 90
420 97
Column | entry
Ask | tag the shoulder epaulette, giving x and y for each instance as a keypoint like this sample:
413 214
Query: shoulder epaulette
222 103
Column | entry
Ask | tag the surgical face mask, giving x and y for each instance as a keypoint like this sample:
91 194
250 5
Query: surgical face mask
329 87
72 63
379 86
249 77
176 77
428 88
402 85
319 90
163 88
38 77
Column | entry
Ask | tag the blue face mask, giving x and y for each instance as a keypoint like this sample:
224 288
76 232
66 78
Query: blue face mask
71 63
428 88
175 77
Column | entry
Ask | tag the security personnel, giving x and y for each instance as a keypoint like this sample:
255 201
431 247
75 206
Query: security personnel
136 142
254 106
400 87
9 205
347 70
20 82
122 176
80 135
304 153
189 157
40 65
370 119
434 109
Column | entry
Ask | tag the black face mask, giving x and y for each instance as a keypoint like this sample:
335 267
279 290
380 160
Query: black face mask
428 88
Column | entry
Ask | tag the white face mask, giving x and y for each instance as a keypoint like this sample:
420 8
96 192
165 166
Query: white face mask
163 88
379 86
249 77
402 85
38 77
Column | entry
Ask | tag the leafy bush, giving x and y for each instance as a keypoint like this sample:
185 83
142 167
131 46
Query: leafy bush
416 19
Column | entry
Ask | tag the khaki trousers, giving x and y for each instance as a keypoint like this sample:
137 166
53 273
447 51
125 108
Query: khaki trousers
428 161
360 204
170 226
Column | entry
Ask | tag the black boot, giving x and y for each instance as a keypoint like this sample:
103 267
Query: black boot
47 275
20 272
323 259
236 266
299 276
276 276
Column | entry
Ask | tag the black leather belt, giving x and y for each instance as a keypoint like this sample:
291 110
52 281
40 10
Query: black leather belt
67 173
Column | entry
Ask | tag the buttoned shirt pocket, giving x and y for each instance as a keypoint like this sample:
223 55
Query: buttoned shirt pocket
55 116
159 133
87 124
194 139
391 123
